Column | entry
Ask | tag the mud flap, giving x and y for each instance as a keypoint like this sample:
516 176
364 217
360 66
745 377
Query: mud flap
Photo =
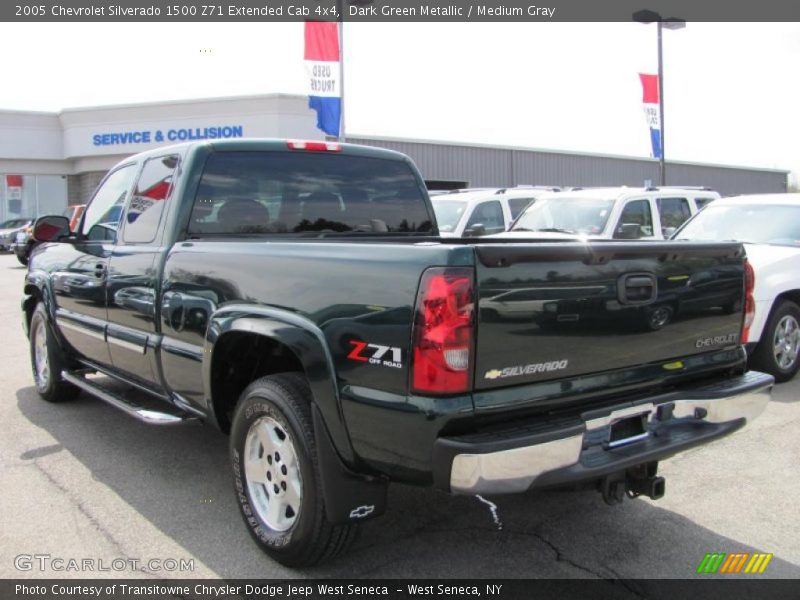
349 497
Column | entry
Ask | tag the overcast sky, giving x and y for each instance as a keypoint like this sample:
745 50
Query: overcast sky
732 90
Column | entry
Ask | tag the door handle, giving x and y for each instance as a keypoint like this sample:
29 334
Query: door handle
637 288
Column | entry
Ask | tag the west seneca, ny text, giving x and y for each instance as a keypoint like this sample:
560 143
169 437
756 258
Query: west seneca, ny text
269 590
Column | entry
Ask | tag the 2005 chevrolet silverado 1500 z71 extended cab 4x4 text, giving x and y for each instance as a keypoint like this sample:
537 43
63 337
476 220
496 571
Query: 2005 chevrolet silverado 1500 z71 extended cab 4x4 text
296 295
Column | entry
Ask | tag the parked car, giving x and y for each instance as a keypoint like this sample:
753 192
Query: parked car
769 226
9 229
483 211
621 213
24 243
297 296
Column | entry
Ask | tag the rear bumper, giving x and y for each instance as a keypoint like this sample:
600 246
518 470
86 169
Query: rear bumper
580 448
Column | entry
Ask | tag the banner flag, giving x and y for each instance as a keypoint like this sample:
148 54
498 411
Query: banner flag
322 66
650 96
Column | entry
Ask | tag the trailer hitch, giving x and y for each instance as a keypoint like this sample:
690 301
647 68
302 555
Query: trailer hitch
637 481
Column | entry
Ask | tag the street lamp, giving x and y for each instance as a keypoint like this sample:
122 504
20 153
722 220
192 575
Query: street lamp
650 16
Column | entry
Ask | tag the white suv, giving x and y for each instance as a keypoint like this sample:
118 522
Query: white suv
484 211
612 213
769 226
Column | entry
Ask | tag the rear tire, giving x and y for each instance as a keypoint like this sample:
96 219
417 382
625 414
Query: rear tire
778 351
47 361
276 473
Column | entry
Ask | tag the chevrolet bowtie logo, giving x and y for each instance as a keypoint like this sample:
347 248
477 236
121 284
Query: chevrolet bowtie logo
493 374
362 511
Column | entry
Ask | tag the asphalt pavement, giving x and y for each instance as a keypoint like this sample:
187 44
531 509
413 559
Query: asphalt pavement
81 481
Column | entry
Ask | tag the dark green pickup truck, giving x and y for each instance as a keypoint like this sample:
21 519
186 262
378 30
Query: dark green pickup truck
296 295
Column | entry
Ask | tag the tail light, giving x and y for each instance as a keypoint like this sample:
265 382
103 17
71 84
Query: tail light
443 331
749 300
314 146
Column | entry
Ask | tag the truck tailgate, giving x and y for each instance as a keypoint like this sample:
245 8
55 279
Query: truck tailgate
550 311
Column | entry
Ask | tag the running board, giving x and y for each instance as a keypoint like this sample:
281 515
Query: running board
151 417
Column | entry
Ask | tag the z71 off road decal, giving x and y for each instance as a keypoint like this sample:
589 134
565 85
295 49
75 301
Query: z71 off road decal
555 365
375 354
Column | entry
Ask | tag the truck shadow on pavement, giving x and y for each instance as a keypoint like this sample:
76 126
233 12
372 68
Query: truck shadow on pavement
178 479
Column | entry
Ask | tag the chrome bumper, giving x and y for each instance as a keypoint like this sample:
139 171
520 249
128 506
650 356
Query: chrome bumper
673 423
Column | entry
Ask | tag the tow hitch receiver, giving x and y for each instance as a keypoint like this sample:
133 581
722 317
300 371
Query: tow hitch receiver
638 481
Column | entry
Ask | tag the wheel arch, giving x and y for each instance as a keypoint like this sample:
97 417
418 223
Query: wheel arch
239 337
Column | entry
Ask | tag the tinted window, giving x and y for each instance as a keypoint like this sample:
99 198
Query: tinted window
152 192
636 221
103 214
301 192
488 214
517 205
673 212
701 202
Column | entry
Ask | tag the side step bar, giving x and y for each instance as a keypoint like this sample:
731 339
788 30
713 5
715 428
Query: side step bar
151 417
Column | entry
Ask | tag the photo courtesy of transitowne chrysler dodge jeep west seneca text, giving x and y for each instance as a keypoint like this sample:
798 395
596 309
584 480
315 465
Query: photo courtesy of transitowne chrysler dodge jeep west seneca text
296 295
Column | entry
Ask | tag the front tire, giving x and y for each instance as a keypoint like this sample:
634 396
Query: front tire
23 260
778 352
47 361
276 473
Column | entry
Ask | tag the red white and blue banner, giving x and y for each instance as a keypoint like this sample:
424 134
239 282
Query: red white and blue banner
650 96
324 76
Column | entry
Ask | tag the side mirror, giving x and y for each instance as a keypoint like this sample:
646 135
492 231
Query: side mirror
669 232
50 228
476 230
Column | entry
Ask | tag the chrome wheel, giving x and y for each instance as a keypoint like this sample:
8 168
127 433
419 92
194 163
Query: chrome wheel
41 363
272 474
786 342
660 317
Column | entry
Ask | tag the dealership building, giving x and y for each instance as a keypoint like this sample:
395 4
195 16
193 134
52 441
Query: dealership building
50 160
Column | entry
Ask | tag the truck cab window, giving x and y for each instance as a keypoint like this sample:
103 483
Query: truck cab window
147 203
305 193
104 212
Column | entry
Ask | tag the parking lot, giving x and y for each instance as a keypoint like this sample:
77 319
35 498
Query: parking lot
82 480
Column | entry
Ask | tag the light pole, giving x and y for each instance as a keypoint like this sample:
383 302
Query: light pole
650 16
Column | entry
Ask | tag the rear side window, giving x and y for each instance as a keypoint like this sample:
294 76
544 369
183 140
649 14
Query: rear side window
673 212
152 192
517 205
304 193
